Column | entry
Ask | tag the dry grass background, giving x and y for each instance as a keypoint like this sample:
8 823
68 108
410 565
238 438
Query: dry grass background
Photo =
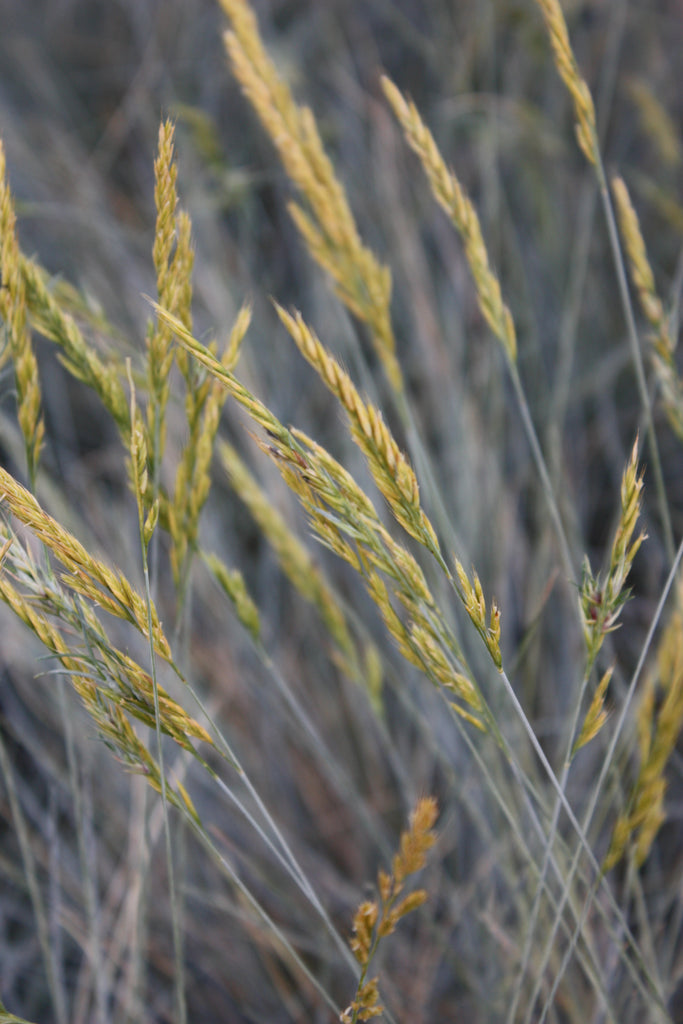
82 88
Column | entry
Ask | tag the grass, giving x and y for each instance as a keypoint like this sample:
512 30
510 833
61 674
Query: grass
339 551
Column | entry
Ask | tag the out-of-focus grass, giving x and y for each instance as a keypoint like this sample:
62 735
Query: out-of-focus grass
82 88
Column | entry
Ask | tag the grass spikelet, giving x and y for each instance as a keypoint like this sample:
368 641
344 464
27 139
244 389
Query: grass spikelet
182 267
375 919
596 716
565 62
137 469
391 470
361 282
13 313
378 592
173 260
166 201
232 583
472 596
204 403
340 479
663 343
641 271
450 195
601 600
405 569
439 667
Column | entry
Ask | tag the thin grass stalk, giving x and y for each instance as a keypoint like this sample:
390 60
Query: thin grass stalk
146 524
583 846
128 930
607 762
601 600
335 773
589 957
634 889
543 473
282 851
548 842
505 802
659 1007
57 996
283 854
270 924
94 949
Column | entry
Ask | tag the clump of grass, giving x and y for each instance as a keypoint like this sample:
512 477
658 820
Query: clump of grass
343 733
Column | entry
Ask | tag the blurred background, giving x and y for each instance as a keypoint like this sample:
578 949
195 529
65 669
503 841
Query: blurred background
83 87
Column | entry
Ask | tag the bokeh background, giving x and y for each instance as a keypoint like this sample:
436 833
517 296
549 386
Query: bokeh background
83 86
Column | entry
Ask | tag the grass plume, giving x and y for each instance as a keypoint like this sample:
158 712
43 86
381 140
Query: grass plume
376 919
329 229
13 313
